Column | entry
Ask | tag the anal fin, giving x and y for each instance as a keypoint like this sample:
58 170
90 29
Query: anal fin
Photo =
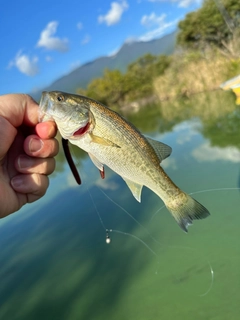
135 188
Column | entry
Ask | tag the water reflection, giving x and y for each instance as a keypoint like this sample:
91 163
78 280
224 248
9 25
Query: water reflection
55 263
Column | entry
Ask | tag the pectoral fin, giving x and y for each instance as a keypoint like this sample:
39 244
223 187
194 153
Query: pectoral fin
162 150
135 188
98 164
103 141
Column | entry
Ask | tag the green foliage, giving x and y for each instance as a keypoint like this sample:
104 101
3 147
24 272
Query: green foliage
223 131
115 88
109 89
232 68
215 23
140 74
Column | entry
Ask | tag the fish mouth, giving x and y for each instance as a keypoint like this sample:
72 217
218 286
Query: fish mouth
81 131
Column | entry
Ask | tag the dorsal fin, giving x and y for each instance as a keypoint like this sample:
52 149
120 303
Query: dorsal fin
162 150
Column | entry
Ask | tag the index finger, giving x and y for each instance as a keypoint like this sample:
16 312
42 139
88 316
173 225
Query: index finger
19 109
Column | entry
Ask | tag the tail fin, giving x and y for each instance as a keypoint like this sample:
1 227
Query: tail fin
186 209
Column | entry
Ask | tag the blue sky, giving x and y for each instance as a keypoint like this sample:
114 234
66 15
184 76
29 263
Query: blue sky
43 40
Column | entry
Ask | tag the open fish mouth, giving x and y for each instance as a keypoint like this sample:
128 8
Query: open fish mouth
81 131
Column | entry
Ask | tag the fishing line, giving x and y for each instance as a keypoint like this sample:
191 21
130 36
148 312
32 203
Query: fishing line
124 210
217 189
189 248
131 217
136 238
202 257
157 212
212 280
108 239
147 246
99 216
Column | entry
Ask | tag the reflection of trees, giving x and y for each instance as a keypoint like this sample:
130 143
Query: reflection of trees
149 119
204 106
217 111
223 131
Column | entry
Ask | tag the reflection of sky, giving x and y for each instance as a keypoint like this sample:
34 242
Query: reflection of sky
206 152
188 133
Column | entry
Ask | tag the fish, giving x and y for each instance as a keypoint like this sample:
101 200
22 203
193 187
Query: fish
110 140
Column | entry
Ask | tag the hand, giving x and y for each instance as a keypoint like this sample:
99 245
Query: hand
27 149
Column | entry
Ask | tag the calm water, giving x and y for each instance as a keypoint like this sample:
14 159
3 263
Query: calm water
55 263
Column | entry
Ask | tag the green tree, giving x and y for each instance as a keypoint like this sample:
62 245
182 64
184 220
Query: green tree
110 89
215 23
115 89
140 74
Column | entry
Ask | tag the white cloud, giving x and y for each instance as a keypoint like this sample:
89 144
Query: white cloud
86 39
169 163
161 26
114 15
185 131
25 64
206 152
79 25
186 137
153 19
48 41
188 3
181 3
106 184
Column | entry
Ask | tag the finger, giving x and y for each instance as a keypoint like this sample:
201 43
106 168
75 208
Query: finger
18 109
26 164
36 147
7 134
46 130
34 186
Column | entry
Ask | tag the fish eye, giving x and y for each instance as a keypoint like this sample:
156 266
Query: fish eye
60 98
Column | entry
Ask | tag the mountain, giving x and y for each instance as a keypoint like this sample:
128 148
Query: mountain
128 53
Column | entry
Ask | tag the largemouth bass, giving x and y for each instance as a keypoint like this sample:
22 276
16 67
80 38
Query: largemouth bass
111 140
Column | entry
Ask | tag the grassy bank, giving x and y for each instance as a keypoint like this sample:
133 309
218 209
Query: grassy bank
193 72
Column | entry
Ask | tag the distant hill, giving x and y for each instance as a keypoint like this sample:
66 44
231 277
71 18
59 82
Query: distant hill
128 53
